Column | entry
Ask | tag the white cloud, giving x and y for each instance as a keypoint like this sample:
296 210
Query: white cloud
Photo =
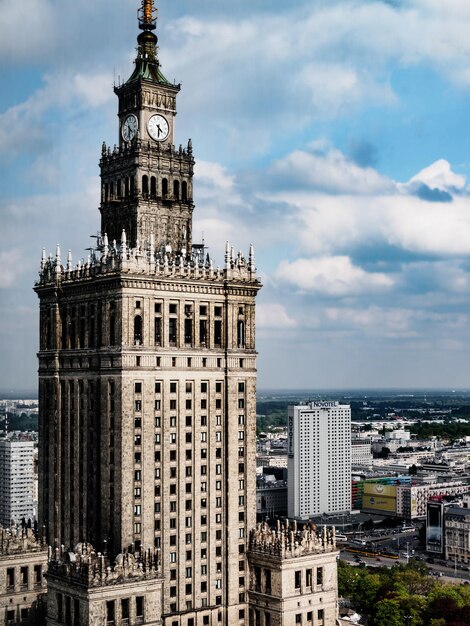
27 126
334 276
12 263
273 315
439 175
329 170
337 205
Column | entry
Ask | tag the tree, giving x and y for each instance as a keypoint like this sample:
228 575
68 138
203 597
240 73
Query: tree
388 613
412 470
347 579
366 591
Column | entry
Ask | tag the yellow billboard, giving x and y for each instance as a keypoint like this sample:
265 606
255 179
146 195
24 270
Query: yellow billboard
378 497
378 504
377 489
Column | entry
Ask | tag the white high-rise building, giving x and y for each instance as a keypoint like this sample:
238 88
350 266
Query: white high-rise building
16 481
319 466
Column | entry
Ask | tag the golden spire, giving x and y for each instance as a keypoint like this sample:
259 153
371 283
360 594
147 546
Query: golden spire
147 15
148 10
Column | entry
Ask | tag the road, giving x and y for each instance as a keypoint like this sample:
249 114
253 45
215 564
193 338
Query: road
447 572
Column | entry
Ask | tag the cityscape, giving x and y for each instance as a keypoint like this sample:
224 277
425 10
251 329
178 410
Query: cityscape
157 465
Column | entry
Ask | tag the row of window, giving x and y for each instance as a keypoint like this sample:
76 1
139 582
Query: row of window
188 387
84 326
20 578
125 188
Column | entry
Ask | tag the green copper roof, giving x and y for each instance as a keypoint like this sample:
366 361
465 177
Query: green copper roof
148 71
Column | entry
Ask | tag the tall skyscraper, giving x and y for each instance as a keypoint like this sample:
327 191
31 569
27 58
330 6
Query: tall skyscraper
147 374
16 481
319 459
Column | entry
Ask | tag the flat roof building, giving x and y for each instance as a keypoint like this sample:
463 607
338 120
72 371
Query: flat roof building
319 465
16 481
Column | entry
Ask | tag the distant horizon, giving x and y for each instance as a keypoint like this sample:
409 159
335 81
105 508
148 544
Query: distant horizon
29 394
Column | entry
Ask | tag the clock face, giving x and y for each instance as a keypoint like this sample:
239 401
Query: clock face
129 128
158 127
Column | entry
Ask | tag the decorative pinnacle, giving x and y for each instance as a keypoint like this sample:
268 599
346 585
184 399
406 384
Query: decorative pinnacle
147 15
147 40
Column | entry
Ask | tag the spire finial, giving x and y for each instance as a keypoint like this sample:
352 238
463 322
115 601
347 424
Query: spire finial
147 40
148 8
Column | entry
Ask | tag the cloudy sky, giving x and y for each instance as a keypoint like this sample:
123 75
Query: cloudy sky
334 135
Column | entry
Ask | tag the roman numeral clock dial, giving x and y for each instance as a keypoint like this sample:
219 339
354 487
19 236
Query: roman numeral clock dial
158 127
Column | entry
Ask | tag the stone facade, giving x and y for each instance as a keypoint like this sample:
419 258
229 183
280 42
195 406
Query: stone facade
84 588
147 376
23 562
293 576
457 534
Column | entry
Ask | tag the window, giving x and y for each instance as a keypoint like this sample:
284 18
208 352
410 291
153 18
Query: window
298 579
241 334
139 606
137 330
298 618
217 333
164 187
308 578
320 616
110 611
125 608
319 576
10 577
37 574
173 331
138 387
202 331
158 331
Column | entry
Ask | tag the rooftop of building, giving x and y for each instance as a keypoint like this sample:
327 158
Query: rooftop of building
20 539
87 567
290 540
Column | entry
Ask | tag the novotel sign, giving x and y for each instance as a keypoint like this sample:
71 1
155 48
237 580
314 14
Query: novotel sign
290 435
323 405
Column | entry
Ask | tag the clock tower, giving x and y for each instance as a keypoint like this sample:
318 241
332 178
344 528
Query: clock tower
147 392
146 181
